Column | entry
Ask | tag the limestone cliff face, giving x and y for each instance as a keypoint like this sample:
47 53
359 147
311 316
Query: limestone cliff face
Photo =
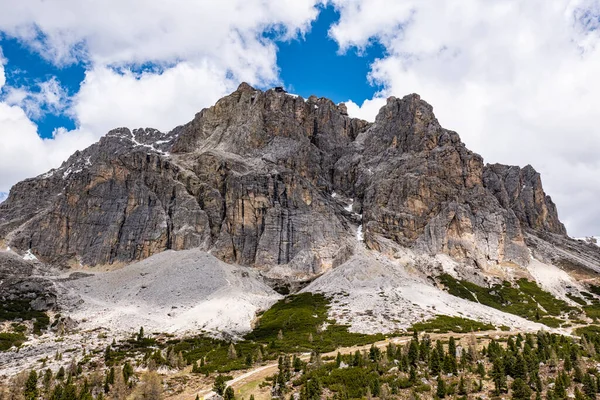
422 187
262 179
520 190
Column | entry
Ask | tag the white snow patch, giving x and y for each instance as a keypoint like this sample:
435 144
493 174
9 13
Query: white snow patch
360 237
48 174
28 256
348 207
149 146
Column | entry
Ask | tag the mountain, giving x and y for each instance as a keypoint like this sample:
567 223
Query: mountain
276 182
199 230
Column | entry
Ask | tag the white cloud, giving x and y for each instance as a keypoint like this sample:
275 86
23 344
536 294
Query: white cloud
48 97
367 110
204 49
517 79
108 99
2 77
138 31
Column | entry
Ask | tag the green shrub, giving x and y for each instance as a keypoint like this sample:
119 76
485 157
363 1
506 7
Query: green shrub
444 324
520 300
299 318
8 340
20 309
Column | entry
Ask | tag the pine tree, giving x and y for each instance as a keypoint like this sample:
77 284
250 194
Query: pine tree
559 389
413 352
521 391
127 372
31 391
297 364
57 393
450 366
60 375
70 393
47 381
577 374
519 368
229 394
568 366
338 360
219 386
441 388
375 353
412 375
357 361
589 386
452 347
579 395
481 369
434 364
462 388
499 377
425 348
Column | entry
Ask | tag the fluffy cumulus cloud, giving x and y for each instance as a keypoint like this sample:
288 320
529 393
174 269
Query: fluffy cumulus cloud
148 63
517 79
22 152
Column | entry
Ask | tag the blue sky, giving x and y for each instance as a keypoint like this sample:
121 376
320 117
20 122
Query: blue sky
518 80
309 64
313 64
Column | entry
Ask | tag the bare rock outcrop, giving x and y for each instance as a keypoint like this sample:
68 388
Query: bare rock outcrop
262 178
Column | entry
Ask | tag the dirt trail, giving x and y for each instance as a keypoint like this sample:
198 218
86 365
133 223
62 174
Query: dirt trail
259 373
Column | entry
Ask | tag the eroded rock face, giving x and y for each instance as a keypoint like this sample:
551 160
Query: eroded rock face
262 179
29 282
420 186
117 201
520 190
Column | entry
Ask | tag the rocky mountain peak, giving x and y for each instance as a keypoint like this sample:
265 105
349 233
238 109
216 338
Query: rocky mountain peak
284 184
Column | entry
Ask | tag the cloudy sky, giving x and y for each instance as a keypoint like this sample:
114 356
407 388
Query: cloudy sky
519 80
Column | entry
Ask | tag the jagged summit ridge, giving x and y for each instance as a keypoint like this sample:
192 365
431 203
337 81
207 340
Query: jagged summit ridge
251 180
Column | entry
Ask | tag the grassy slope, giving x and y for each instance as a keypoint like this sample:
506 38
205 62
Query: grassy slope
521 300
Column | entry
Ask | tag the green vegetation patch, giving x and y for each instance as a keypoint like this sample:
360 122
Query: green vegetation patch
217 355
521 300
590 330
577 299
444 324
594 289
8 340
299 323
295 324
21 310
593 311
